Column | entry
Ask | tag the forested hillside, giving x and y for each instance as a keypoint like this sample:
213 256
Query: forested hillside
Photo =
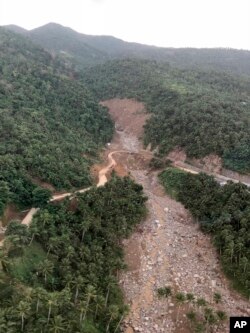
202 112
51 126
223 211
60 274
83 50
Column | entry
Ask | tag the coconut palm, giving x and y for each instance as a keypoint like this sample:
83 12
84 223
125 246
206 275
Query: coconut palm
99 303
39 294
125 312
90 293
114 313
82 306
45 268
51 301
57 325
23 310
34 232
78 282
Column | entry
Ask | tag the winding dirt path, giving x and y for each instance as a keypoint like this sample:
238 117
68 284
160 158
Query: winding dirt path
102 180
168 248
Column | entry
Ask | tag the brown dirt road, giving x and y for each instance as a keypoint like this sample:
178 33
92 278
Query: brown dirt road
168 248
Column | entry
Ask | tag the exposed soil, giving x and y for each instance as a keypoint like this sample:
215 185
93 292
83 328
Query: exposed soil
129 116
168 248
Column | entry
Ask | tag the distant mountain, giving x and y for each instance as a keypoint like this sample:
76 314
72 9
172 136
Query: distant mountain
16 29
85 50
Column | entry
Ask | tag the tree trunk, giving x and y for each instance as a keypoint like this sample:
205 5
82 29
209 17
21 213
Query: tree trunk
37 305
76 294
32 238
118 325
81 317
107 329
87 305
107 297
49 314
22 323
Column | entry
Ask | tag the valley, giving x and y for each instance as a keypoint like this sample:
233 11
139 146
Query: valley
130 177
168 249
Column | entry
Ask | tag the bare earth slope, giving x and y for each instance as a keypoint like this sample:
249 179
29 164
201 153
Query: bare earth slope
168 248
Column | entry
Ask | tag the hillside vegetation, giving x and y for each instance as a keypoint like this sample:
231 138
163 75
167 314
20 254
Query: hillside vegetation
201 112
60 274
224 212
84 50
51 126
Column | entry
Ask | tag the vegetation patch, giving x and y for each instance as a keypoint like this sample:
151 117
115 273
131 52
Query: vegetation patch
49 123
223 211
200 111
70 269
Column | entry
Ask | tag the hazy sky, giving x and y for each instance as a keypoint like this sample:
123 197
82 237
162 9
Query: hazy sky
176 23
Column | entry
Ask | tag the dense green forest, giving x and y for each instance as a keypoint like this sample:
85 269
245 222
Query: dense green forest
224 212
83 50
201 112
60 274
51 126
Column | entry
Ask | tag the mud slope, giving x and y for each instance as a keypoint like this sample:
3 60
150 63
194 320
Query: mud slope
168 248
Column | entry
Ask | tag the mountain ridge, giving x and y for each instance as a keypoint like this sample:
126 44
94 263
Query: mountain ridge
88 50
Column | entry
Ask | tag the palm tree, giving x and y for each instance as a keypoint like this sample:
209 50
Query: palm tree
83 310
78 282
46 267
57 325
180 299
40 295
110 281
53 244
90 293
114 312
23 309
84 226
52 301
100 302
34 232
125 312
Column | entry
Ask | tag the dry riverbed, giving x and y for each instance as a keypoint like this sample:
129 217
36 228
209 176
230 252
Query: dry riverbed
168 248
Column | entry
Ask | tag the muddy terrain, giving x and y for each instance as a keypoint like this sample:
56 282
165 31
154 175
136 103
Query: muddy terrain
168 249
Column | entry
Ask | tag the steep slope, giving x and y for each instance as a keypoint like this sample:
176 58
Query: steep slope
68 43
86 49
51 127
201 112
16 29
